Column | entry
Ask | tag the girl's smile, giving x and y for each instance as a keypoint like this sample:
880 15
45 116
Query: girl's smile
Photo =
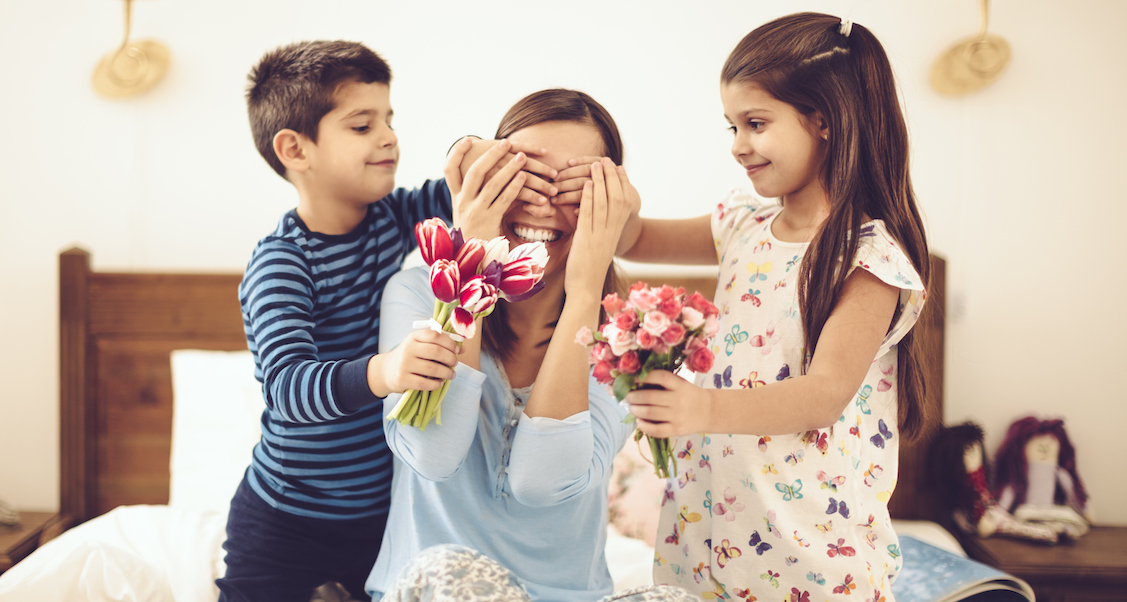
781 149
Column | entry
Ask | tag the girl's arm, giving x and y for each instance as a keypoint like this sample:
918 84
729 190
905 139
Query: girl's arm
676 241
850 339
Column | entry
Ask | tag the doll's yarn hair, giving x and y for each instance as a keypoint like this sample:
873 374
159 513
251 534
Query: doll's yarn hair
948 468
1012 466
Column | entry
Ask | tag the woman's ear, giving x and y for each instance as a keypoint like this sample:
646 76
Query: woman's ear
289 146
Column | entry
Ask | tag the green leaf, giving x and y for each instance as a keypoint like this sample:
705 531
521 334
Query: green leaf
629 419
623 384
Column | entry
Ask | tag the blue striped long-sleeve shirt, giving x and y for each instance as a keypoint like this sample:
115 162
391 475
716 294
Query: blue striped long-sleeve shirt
311 306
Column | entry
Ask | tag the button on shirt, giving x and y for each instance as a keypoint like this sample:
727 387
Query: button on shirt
530 493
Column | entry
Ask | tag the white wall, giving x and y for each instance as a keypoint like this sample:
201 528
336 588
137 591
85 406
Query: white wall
1016 181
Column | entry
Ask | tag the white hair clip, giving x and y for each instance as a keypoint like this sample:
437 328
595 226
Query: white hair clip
845 28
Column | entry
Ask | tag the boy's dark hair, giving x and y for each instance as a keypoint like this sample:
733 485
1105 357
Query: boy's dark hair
292 87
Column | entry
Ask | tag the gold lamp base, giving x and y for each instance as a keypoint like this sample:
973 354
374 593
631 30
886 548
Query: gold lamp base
132 69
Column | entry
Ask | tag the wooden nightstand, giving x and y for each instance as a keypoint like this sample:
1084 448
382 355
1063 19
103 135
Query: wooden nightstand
35 529
1091 568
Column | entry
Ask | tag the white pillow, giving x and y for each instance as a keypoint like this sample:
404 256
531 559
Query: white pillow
217 405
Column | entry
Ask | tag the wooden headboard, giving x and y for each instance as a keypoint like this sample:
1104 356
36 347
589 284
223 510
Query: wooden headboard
118 329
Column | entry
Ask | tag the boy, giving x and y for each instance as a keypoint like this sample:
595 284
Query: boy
312 506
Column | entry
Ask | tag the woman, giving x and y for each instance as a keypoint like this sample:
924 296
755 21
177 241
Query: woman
518 470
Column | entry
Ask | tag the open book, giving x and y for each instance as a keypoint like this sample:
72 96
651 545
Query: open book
935 575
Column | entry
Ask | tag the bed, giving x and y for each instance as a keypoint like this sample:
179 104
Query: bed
145 482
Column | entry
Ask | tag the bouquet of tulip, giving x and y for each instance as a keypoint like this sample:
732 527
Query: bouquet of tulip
652 329
467 277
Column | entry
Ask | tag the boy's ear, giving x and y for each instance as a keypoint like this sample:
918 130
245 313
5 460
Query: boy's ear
289 146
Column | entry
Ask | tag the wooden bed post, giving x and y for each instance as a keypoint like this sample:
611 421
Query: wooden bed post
76 421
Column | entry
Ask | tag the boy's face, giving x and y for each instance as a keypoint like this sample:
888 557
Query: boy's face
356 153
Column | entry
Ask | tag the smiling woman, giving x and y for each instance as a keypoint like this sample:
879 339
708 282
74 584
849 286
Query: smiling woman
507 496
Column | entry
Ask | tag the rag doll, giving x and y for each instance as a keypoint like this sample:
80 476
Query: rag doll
960 478
1037 478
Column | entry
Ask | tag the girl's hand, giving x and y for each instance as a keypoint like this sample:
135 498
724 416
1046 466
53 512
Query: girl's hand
538 188
606 204
482 195
678 408
570 181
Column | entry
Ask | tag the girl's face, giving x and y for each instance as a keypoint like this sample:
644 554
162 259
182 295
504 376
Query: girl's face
564 140
781 149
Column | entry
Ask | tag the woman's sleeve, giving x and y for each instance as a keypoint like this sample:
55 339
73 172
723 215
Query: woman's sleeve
555 460
438 452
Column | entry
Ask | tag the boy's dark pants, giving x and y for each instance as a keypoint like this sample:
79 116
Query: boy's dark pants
275 556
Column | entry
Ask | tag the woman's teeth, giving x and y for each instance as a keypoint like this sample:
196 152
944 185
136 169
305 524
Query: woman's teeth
536 234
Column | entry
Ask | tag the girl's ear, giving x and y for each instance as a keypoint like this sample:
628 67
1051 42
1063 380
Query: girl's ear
289 146
823 126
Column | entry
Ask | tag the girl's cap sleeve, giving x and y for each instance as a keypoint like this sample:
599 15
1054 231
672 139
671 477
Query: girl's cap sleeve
734 212
879 254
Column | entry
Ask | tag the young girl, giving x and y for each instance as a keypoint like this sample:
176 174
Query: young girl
788 450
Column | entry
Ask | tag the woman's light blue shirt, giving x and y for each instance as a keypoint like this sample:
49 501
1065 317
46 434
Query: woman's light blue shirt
530 493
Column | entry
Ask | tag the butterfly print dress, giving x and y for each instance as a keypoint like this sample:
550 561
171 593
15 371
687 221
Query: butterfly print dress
801 516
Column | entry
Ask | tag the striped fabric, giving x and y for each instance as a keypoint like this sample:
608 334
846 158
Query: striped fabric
311 307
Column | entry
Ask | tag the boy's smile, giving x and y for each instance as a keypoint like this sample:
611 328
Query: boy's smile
353 161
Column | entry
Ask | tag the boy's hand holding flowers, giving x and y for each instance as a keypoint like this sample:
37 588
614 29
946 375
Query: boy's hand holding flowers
467 278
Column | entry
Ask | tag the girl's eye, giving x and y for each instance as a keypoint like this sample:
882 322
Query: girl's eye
361 129
732 129
755 125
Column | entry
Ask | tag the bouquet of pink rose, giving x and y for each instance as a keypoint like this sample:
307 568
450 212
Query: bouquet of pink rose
652 329
467 277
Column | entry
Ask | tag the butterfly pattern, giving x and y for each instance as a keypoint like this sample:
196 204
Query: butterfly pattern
819 485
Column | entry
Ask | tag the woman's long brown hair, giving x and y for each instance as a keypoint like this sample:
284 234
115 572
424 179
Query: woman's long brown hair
539 107
805 61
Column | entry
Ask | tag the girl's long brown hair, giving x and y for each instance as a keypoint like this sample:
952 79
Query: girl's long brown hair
551 105
805 61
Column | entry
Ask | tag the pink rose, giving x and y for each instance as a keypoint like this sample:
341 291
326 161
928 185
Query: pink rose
711 326
629 363
655 322
620 341
673 335
612 304
670 307
691 318
699 303
585 337
646 340
627 320
600 352
602 372
644 299
700 360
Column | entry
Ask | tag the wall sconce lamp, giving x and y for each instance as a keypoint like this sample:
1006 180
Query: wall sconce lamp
134 67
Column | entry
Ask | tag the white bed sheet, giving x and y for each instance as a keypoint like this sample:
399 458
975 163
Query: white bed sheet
174 553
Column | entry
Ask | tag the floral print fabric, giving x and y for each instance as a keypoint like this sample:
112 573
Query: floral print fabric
453 573
794 517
